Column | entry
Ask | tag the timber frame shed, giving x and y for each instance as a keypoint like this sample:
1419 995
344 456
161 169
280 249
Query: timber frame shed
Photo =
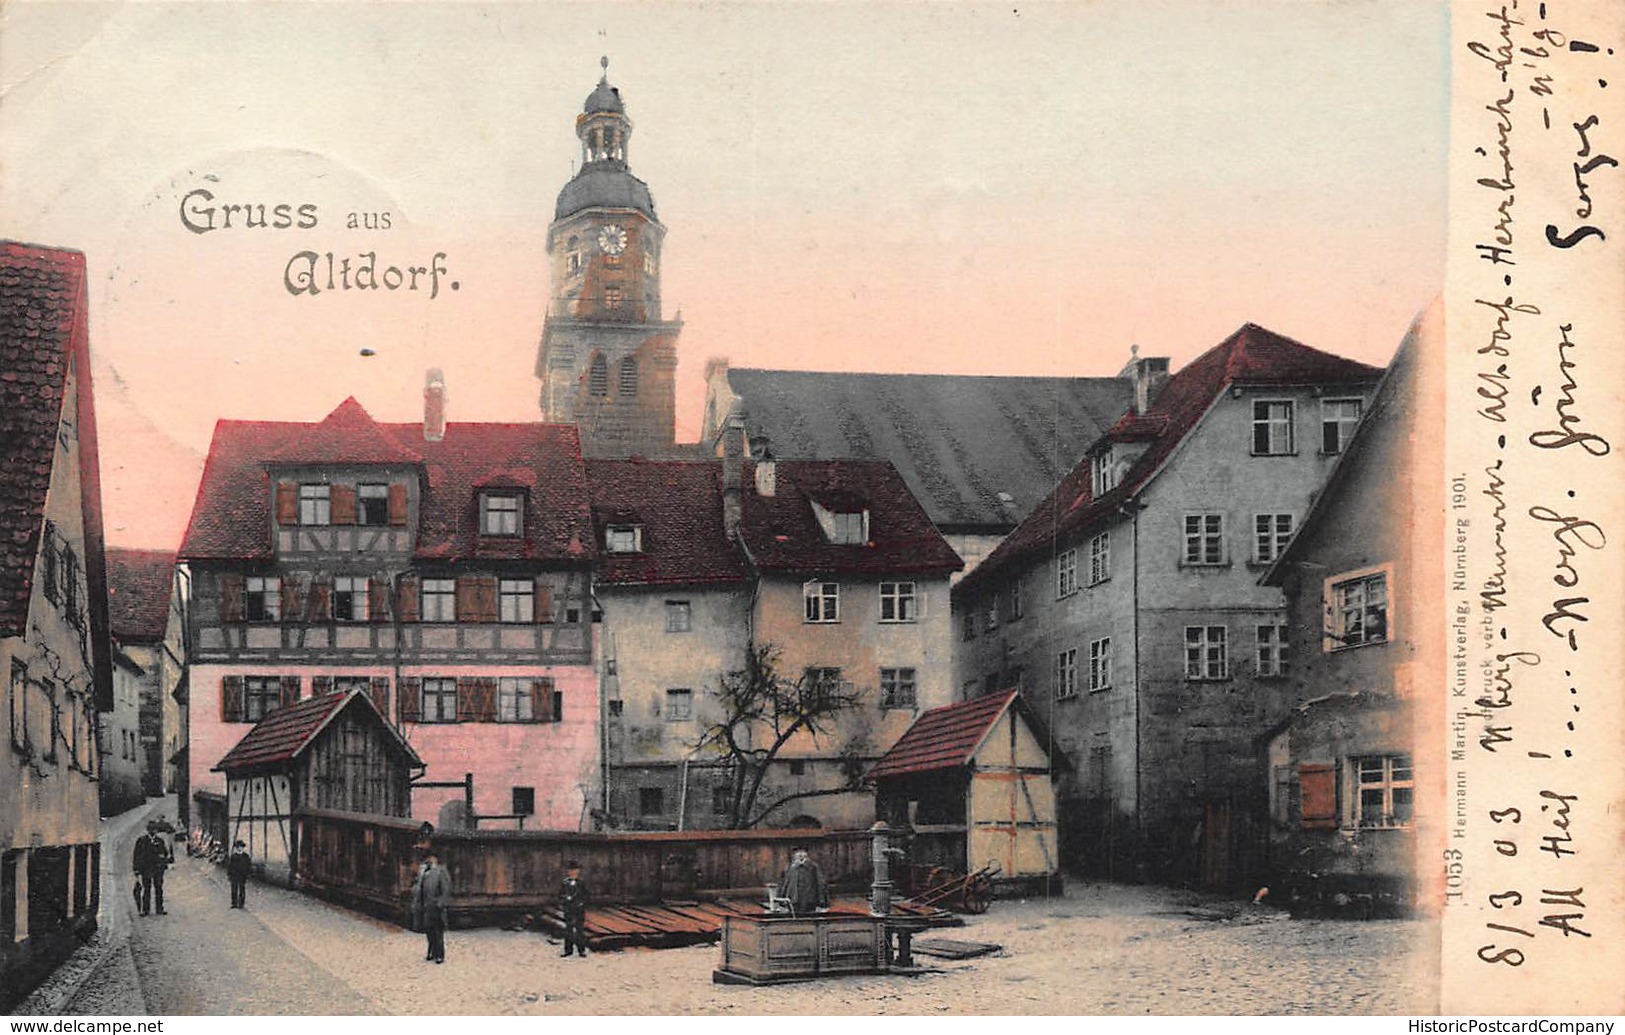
973 780
333 751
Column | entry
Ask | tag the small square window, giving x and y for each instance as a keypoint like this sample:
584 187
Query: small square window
1339 418
897 688
1358 611
821 602
524 801
679 705
499 514
617 707
899 602
623 539
651 801
798 767
679 616
438 699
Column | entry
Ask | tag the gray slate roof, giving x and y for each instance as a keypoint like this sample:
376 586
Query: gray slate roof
957 441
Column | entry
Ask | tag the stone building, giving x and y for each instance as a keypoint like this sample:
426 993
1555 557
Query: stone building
1349 778
443 568
53 616
607 359
1126 606
149 654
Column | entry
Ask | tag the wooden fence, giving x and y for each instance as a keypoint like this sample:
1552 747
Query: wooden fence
368 862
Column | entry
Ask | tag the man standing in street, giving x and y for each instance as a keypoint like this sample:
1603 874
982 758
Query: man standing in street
431 893
803 885
573 904
239 864
150 859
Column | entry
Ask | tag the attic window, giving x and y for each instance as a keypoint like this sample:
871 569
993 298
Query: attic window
1103 474
499 514
844 527
623 539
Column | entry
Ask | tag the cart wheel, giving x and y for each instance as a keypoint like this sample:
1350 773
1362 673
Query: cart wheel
978 893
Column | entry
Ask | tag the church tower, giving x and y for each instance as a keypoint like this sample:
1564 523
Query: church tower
607 361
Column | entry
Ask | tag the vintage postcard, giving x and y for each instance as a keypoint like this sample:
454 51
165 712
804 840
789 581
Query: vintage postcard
863 508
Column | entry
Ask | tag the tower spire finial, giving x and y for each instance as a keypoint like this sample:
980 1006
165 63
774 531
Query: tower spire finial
603 63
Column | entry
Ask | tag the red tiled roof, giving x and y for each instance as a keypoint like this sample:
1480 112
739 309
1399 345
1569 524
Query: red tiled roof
41 290
783 534
138 592
943 738
678 503
232 516
1250 356
279 737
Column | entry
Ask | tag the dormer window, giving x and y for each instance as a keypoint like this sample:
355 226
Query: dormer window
1103 474
843 527
623 539
315 504
499 514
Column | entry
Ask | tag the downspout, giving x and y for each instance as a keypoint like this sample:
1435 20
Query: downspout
1132 510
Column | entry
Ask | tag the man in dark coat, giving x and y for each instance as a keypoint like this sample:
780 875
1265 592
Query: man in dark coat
149 860
803 885
431 893
573 904
239 865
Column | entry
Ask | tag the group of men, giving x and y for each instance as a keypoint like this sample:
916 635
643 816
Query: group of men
431 894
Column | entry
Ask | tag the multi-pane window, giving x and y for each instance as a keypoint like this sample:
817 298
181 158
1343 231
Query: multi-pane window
1206 656
1100 558
623 538
349 598
819 684
1272 647
679 704
613 294
262 598
897 688
898 602
516 600
372 504
1103 474
1272 428
1204 538
1100 663
1271 533
315 505
822 601
514 700
438 699
499 514
1338 419
438 600
262 695
1066 673
1383 786
1359 611
344 684
679 616
850 528
1066 573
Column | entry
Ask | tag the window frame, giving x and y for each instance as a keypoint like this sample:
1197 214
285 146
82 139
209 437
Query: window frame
679 616
1336 610
899 687
1273 654
1385 784
679 704
521 595
315 505
1196 544
372 497
1065 674
902 599
1268 424
494 520
268 594
440 689
1338 423
1102 474
1269 540
444 594
1100 558
1203 669
1066 573
266 690
518 690
615 534
820 605
1100 664
357 590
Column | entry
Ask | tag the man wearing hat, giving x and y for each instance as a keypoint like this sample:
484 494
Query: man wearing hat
150 859
573 904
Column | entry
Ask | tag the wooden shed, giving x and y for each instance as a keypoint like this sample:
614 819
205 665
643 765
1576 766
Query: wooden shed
332 751
973 781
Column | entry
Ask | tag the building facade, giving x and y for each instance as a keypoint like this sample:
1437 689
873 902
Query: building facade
608 359
53 616
1126 607
442 568
145 604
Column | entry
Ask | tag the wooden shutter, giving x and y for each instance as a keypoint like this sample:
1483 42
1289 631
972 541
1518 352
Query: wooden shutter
541 700
397 503
320 685
378 599
410 696
290 690
342 504
231 699
1317 796
406 599
231 597
465 598
544 602
465 699
485 598
321 600
485 701
287 503
378 690
290 599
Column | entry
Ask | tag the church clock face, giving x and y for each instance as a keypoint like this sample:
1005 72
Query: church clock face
612 239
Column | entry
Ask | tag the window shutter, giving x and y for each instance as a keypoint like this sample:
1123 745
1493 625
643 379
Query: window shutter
465 599
342 503
485 598
287 503
558 706
290 599
466 706
231 699
485 701
290 690
379 692
406 599
231 597
397 503
1317 794
321 600
378 599
320 685
544 603
410 695
541 700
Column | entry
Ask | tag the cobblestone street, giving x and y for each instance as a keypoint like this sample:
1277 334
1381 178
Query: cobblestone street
1110 949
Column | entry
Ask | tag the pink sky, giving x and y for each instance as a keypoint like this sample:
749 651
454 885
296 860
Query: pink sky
895 187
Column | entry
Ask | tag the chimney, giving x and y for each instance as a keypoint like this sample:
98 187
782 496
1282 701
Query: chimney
767 477
434 406
733 471
1148 375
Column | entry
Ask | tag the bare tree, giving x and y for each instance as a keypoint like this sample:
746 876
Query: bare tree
762 711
